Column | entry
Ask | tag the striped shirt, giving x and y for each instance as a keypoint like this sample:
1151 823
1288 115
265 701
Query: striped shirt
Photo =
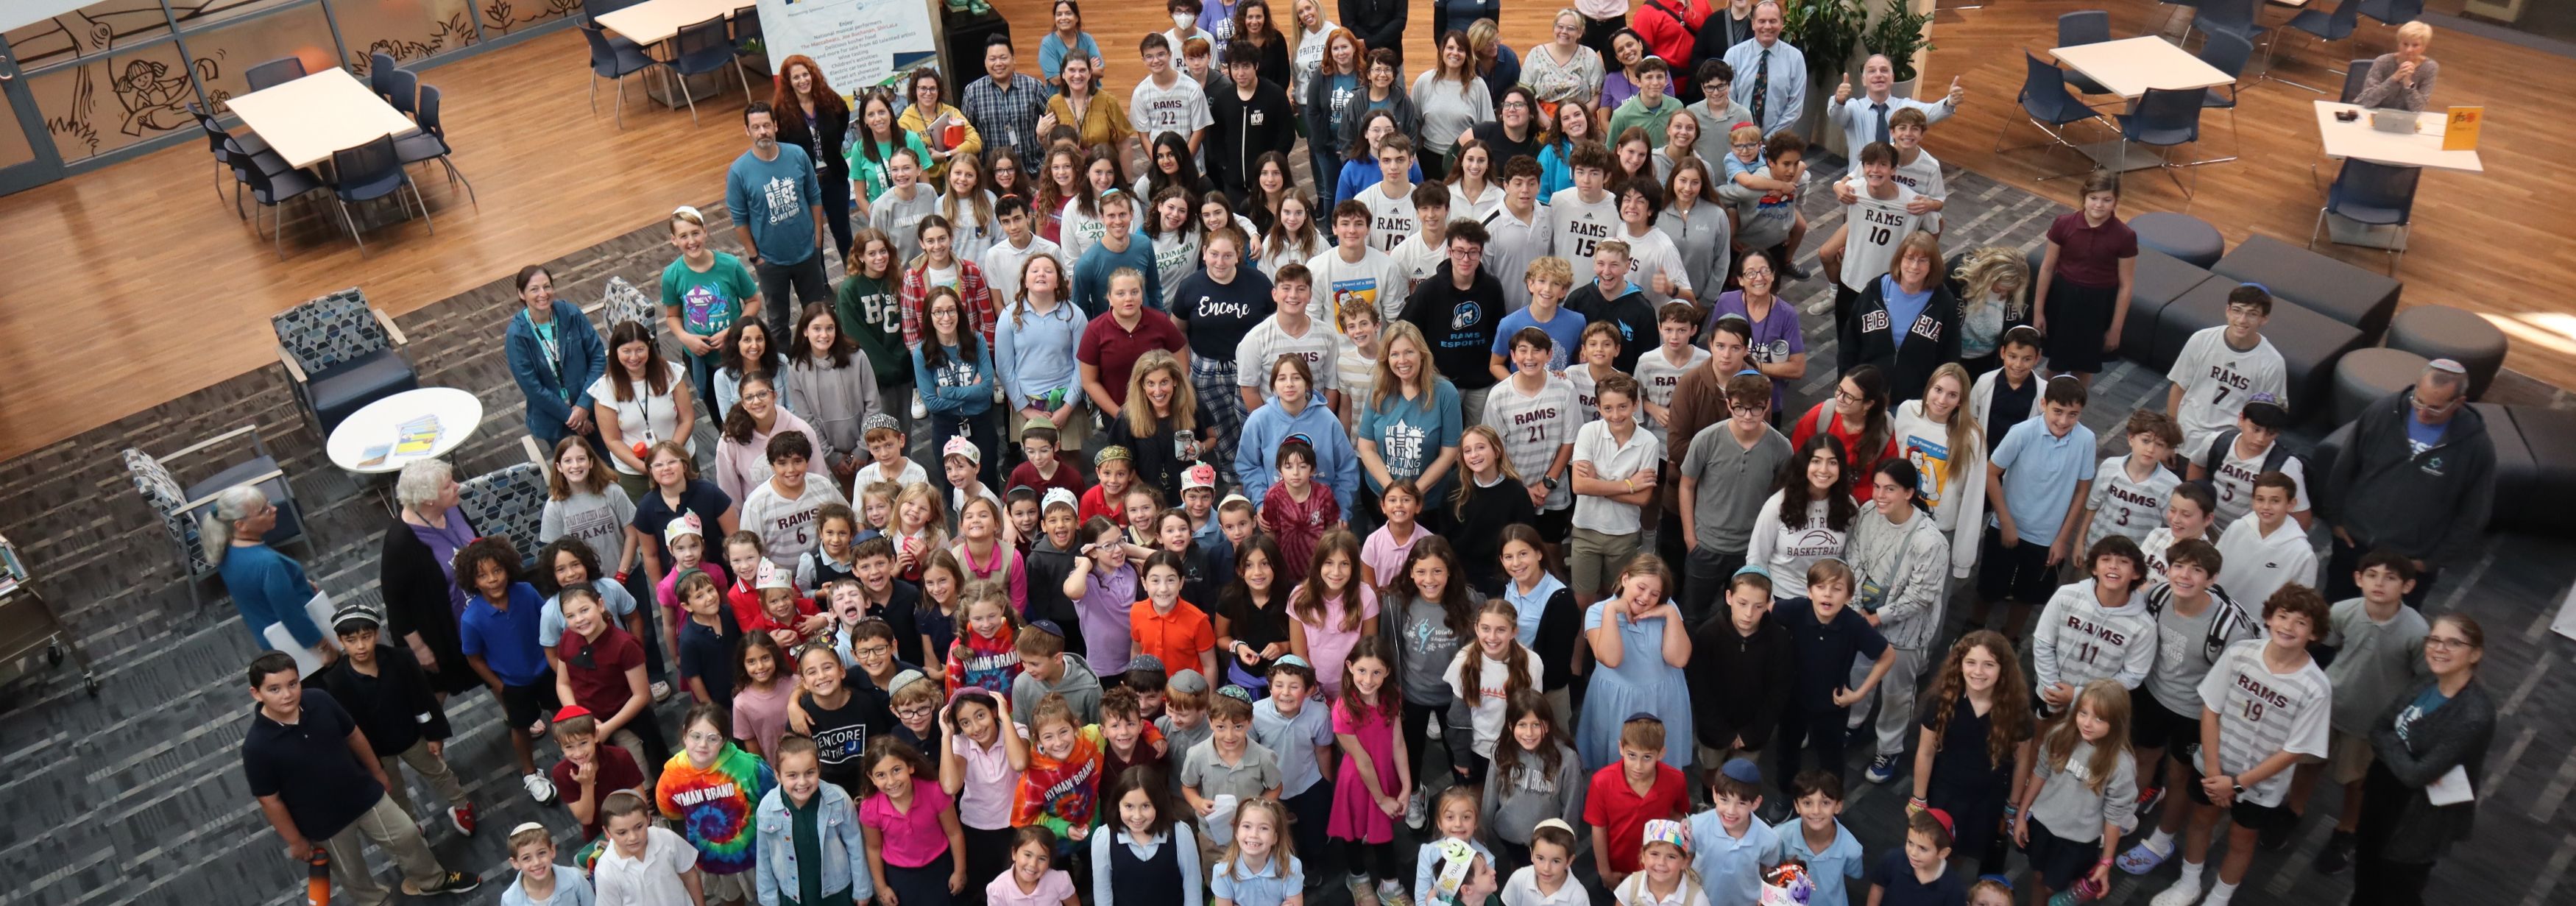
2125 506
1658 377
2262 713
1534 427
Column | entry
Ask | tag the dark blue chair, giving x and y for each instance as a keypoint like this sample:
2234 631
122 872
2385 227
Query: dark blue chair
341 354
700 49
274 72
270 189
181 506
2393 13
2235 17
2327 26
2355 75
380 74
430 143
613 58
2090 26
2163 118
2373 194
2228 54
369 172
248 148
2047 104
404 91
2178 7
748 39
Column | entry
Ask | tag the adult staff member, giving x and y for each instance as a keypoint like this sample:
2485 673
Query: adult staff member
1863 117
321 788
1770 74
1006 105
2417 476
267 587
1380 23
554 355
2402 80
417 569
2442 725
777 208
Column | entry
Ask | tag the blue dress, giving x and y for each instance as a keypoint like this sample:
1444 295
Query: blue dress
1641 682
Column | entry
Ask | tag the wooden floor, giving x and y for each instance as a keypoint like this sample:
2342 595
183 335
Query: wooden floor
131 285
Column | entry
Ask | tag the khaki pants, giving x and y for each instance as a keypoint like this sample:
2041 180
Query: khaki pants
393 832
431 768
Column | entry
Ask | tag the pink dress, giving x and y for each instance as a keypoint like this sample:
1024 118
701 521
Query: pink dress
1327 646
1356 816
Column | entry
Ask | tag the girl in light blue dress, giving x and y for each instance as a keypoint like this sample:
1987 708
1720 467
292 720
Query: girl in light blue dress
1638 638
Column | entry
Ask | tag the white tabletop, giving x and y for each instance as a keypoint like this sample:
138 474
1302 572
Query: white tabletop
2421 149
655 21
364 442
2130 66
306 119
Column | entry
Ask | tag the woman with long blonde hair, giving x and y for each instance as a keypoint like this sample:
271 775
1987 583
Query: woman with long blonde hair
1159 427
1993 286
1411 424
1938 433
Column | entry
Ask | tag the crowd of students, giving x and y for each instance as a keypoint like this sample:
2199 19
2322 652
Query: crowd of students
1294 539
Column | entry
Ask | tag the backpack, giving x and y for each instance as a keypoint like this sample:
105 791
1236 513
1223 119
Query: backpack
2273 458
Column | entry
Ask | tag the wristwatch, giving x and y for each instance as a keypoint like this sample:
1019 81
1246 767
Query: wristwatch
1548 482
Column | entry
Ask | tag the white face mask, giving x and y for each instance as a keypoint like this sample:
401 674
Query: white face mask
1183 21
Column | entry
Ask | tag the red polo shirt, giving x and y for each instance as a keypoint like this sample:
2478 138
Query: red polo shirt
1620 813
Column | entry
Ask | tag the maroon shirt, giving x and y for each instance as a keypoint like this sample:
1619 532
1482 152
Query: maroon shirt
597 669
617 771
1114 349
1066 477
2090 255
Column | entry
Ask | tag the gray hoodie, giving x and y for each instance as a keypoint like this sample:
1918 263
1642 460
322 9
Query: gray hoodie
1079 686
2067 803
1904 569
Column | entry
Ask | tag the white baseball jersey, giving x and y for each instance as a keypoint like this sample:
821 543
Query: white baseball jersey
2262 713
1534 427
1580 226
2123 506
2215 380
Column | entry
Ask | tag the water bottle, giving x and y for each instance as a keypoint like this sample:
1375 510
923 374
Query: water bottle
317 879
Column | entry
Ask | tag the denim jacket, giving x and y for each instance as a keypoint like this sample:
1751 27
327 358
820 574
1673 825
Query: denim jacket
844 855
585 358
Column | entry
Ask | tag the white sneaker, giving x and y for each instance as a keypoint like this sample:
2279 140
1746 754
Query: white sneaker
2181 894
1432 729
1391 893
1416 812
919 411
539 788
661 691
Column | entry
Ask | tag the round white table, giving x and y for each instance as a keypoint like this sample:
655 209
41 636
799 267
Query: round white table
365 441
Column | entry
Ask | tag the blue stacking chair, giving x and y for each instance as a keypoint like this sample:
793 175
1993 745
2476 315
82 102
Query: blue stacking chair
2163 118
2373 194
274 72
2228 54
2090 26
613 58
369 172
2047 104
2326 26
699 49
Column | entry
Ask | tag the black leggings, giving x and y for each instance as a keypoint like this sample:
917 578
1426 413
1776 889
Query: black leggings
1375 861
1417 738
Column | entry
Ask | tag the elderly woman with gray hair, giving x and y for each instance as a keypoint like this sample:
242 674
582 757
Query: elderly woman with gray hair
422 599
268 587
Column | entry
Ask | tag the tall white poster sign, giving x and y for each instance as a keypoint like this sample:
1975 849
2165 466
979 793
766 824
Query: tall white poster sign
858 43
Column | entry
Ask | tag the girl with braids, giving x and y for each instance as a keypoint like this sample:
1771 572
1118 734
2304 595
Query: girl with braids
1035 342
1939 435
1975 752
1483 676
1638 638
1535 775
1857 416
1806 519
1332 610
1993 287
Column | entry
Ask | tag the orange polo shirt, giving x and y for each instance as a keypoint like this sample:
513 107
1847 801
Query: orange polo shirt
1176 638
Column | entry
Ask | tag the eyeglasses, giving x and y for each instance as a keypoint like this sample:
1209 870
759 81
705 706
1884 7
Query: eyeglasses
1755 410
871 650
703 736
2447 644
913 710
1845 396
1515 105
759 396
1752 272
2443 409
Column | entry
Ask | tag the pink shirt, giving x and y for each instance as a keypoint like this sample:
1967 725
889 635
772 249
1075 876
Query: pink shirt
1054 888
741 467
912 839
1381 554
1327 646
668 592
985 803
762 716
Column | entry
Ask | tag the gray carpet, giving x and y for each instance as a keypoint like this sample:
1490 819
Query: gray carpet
136 797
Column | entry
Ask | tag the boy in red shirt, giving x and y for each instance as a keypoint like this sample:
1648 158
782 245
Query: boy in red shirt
1624 796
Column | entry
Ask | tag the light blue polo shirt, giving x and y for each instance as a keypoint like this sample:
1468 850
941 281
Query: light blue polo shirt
1730 868
1293 740
1268 887
1532 606
2040 472
1829 868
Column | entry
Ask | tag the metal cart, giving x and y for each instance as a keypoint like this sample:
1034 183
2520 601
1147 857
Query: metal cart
29 629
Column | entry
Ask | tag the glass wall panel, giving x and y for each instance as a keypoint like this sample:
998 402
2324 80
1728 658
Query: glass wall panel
407 29
13 140
96 29
196 14
114 100
226 52
501 17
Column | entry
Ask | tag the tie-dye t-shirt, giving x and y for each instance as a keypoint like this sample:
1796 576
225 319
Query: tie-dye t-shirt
990 664
1061 793
714 804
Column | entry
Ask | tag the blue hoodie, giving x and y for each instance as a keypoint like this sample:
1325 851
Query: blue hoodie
1337 463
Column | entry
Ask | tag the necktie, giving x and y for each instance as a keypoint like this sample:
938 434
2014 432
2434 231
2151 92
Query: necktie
1762 89
1881 108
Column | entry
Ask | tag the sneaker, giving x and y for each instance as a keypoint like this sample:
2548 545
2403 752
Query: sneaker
1416 812
2143 858
2180 894
2277 837
539 788
2148 797
1432 729
1793 271
919 411
1882 768
2336 858
661 691
449 883
461 817
1362 892
1391 893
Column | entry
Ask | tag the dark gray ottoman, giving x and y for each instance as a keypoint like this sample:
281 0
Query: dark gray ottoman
2362 298
2160 279
2366 375
2181 235
2310 344
2535 479
2443 332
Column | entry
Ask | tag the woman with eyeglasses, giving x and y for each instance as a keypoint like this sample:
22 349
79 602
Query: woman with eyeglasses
1563 70
2430 741
1097 117
1778 348
742 445
269 588
939 125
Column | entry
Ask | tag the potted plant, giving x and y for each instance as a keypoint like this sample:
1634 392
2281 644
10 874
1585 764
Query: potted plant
1827 31
1899 35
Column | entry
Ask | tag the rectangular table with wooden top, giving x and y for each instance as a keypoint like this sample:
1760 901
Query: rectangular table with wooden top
656 21
307 119
2128 67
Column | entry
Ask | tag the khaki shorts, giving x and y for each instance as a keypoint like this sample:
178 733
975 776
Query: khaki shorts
2347 757
1069 437
732 888
1595 557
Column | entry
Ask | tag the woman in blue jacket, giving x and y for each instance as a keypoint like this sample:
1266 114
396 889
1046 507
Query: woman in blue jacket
268 587
1296 409
956 376
554 355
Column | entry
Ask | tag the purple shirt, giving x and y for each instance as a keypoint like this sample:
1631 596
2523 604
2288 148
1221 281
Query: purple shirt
1104 608
1775 338
443 544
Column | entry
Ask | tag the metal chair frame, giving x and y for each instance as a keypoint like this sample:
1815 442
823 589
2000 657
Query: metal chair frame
2186 104
353 163
2037 80
433 130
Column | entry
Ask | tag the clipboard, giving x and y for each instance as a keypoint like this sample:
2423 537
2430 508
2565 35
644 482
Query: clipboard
306 662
